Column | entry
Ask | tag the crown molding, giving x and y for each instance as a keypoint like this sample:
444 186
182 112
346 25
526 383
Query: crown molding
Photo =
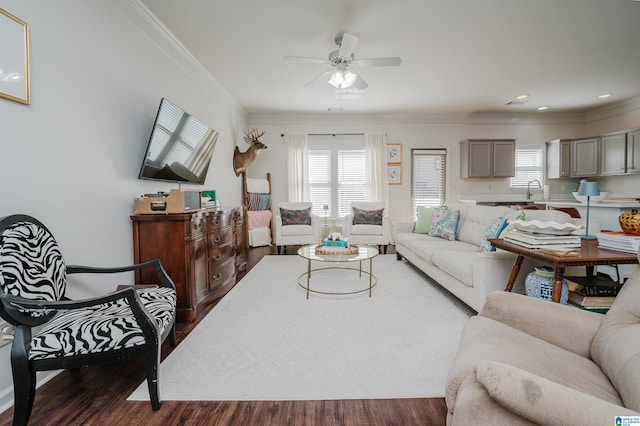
155 31
418 119
613 110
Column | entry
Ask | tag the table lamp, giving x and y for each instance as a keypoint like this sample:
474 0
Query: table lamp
326 213
588 189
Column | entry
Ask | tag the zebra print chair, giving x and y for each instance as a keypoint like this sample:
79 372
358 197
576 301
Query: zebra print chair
74 333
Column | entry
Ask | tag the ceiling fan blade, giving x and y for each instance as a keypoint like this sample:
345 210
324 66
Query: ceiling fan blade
347 44
323 75
303 59
360 83
379 62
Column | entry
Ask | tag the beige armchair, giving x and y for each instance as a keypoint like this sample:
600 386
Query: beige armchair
525 361
296 225
359 229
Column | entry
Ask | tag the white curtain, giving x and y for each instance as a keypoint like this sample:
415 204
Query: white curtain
375 152
297 167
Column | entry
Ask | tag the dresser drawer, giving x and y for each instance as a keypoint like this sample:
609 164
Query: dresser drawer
220 237
220 254
198 224
215 221
222 274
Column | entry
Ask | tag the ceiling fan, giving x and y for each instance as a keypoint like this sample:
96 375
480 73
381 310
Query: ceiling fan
340 74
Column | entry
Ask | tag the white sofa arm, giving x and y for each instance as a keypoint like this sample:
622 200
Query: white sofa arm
543 401
491 271
404 227
565 326
346 226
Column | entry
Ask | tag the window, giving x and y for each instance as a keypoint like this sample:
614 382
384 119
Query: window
336 174
428 177
529 166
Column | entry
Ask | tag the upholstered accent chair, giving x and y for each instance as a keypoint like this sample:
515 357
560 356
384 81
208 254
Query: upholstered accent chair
74 333
527 361
296 225
368 223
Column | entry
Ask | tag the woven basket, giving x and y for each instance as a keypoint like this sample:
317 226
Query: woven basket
630 222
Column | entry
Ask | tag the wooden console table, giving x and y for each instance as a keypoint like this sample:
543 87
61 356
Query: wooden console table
590 258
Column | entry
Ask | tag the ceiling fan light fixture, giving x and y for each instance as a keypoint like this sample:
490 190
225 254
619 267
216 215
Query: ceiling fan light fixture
342 80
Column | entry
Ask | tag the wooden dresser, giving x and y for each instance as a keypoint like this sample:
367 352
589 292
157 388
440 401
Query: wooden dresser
201 251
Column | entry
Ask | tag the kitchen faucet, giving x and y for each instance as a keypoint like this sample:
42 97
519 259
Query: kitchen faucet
529 187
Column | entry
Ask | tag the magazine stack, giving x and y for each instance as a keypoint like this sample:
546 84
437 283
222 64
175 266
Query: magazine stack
534 240
619 241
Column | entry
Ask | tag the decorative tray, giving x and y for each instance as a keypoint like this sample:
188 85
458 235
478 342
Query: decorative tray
321 249
546 227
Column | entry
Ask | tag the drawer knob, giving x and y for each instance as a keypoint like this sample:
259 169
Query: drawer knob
217 239
217 276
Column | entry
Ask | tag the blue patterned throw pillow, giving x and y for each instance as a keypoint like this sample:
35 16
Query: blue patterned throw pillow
296 217
493 230
367 217
445 223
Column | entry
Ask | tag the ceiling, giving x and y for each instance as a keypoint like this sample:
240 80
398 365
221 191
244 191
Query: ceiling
459 56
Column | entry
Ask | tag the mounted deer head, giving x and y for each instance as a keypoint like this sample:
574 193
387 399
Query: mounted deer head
242 160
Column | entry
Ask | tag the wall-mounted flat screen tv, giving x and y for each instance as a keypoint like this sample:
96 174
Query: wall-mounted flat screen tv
180 147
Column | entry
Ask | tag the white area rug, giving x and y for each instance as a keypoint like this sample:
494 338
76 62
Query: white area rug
266 341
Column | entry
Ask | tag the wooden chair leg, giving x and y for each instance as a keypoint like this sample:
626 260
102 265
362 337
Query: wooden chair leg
152 366
24 380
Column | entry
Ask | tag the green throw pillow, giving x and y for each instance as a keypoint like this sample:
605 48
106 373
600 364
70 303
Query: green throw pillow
424 219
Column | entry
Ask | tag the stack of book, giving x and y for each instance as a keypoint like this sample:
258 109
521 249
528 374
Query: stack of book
620 241
542 241
595 293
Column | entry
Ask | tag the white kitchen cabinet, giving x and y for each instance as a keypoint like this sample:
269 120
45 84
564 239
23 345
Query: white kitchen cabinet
558 158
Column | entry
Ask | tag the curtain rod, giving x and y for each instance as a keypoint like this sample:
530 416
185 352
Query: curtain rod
329 134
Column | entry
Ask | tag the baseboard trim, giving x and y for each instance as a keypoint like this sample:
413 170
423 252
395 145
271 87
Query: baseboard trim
6 398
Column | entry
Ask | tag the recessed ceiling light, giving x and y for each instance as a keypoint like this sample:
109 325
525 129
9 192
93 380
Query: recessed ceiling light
604 96
542 108
523 96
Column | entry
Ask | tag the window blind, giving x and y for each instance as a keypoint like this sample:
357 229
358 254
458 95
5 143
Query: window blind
428 178
529 166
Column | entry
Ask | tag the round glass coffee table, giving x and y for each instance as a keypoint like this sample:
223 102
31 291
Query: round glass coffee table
340 261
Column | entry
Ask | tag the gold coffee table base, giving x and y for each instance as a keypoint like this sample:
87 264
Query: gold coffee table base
363 254
306 276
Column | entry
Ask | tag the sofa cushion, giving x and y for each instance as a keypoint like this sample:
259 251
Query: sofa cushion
427 246
367 217
616 347
458 263
366 230
492 231
445 223
297 230
486 339
477 219
424 217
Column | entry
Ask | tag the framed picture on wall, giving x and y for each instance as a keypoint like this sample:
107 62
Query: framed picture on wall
394 153
395 174
14 58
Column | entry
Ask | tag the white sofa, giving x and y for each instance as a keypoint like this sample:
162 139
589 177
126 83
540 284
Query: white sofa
461 266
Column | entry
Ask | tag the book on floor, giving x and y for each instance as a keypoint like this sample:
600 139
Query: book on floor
593 302
597 285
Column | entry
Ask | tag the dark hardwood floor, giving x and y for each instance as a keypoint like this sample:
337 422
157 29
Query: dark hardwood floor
97 395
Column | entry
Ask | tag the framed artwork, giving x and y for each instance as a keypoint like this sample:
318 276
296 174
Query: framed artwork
14 58
394 153
395 174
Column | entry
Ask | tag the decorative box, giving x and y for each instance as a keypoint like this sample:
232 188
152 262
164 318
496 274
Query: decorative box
335 243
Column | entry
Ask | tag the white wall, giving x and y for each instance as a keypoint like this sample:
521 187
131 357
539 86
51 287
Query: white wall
445 131
433 131
71 158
